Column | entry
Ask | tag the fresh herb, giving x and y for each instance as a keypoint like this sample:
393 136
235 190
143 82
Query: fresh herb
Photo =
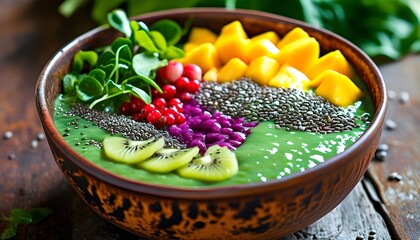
126 67
381 28
21 216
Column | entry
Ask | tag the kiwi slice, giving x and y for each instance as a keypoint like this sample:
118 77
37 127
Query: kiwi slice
166 160
217 164
128 151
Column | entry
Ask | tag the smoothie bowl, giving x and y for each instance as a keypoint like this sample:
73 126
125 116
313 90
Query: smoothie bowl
245 125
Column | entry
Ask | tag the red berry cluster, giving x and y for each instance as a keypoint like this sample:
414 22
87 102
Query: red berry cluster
178 83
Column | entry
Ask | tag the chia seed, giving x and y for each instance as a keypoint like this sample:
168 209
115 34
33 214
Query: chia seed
114 124
390 124
40 136
34 143
289 108
12 156
403 97
394 176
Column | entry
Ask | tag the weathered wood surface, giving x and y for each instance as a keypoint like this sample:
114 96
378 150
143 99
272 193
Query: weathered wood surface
31 31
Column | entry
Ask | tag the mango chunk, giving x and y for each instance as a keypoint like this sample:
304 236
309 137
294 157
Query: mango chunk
201 35
262 47
293 35
262 69
232 70
210 75
289 77
300 54
231 47
333 60
235 29
189 46
337 88
204 55
270 35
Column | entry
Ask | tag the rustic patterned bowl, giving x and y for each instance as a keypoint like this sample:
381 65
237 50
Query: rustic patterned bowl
254 211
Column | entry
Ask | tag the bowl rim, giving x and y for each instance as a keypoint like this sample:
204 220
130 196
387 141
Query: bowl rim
209 192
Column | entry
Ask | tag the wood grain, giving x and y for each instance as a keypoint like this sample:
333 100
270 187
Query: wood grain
31 31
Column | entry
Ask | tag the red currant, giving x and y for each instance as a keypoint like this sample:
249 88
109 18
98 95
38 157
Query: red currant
169 91
182 83
185 96
170 119
136 104
148 108
180 118
193 86
125 108
137 117
160 74
173 71
153 117
192 71
159 103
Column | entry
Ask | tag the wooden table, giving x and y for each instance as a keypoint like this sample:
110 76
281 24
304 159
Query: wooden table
31 31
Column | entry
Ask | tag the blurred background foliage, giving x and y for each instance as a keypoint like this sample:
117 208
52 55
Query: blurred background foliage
384 29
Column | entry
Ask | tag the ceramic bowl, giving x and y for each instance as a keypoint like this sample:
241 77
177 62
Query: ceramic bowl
254 211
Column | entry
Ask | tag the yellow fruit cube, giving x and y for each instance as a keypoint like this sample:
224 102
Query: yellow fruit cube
300 54
233 29
204 55
210 75
289 77
337 88
231 47
262 47
333 60
270 35
295 34
262 69
232 70
189 46
201 35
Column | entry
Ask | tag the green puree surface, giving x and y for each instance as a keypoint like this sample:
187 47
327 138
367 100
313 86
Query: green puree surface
268 153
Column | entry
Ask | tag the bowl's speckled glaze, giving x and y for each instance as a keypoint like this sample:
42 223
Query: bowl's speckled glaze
254 211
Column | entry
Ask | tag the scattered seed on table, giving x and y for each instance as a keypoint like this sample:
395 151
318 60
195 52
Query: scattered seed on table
390 124
394 176
383 147
381 155
372 232
403 97
12 156
8 135
370 237
40 136
360 238
392 95
34 143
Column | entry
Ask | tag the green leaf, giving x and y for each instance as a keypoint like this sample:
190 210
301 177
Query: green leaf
144 41
118 19
101 8
169 29
174 52
88 89
82 57
158 40
107 69
144 63
113 87
21 216
69 82
125 52
68 7
140 93
141 82
106 58
98 74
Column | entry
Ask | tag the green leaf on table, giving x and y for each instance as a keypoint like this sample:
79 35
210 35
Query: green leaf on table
118 19
82 57
169 29
21 216
144 63
89 88
144 41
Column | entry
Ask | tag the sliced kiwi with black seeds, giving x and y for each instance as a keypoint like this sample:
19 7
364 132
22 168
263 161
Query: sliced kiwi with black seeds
129 151
166 160
217 164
